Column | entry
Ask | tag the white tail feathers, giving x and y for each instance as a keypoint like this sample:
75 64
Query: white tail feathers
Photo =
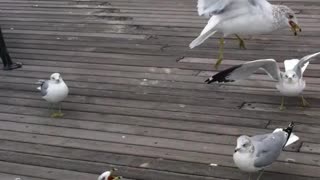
293 138
208 31
40 81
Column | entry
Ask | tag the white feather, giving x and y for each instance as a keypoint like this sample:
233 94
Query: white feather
56 92
290 64
206 6
40 81
104 175
293 138
201 7
208 31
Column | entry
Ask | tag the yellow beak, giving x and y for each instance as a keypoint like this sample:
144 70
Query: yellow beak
295 27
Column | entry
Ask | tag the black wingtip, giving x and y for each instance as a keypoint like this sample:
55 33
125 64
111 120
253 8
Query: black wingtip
209 80
290 126
289 129
222 76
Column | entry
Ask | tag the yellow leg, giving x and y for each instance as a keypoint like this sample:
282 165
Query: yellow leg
50 108
221 49
304 102
260 174
58 114
241 42
282 104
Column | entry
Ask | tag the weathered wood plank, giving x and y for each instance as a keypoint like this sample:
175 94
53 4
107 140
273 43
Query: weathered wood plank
134 103
42 172
6 176
200 170
310 148
284 167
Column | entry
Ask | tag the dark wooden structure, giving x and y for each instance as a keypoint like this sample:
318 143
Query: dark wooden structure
138 101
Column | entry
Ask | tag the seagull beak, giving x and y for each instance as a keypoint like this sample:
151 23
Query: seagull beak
295 27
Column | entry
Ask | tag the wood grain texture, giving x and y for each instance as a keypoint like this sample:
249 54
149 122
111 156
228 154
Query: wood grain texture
138 101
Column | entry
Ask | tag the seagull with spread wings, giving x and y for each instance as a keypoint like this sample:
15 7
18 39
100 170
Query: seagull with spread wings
289 83
242 17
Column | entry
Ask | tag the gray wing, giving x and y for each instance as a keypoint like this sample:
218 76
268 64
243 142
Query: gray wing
259 138
243 71
214 7
44 87
268 149
304 61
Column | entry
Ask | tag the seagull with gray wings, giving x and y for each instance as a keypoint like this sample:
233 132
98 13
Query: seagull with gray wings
54 91
289 83
255 153
242 17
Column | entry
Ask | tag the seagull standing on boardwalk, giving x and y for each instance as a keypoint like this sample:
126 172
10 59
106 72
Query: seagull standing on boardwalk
289 83
54 91
255 153
108 175
242 17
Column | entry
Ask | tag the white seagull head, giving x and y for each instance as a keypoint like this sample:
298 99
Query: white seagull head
55 77
288 17
244 145
290 77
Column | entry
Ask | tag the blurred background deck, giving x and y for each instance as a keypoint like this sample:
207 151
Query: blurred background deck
138 101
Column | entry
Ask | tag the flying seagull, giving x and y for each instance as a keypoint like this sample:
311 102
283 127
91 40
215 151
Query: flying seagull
242 17
289 83
108 175
54 91
255 153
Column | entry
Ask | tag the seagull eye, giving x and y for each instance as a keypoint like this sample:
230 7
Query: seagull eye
290 16
245 145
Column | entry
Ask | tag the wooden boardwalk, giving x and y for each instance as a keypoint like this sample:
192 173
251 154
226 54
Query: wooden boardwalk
137 99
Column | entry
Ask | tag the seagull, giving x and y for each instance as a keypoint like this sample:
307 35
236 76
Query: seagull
289 83
108 175
54 91
255 153
242 17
